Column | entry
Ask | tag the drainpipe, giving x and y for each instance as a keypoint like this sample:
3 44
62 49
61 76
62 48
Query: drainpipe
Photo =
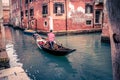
28 13
102 18
66 15
51 26
36 24
20 14
9 12
93 13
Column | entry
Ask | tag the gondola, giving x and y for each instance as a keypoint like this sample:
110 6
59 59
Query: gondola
29 31
58 50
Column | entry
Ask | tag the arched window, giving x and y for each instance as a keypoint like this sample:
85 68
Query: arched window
88 8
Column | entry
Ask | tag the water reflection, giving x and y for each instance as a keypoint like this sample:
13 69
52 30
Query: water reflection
14 61
7 40
91 60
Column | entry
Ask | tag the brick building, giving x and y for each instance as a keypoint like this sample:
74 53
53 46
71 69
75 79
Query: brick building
6 11
15 15
59 15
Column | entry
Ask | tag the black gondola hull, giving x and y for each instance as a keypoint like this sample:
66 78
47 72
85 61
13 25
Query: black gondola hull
58 52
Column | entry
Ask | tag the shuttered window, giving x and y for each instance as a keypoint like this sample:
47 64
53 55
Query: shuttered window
26 12
26 1
58 8
31 12
45 9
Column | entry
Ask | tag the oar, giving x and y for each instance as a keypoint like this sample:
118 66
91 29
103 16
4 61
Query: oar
58 42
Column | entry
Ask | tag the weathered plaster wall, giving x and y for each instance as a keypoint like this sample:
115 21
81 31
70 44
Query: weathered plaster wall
77 17
15 13
1 11
105 36
113 8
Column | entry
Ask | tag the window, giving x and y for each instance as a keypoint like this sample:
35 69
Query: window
31 0
58 8
31 12
26 1
26 12
88 22
97 16
88 8
45 24
45 10
22 14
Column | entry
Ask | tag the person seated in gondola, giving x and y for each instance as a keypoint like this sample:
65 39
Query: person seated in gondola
40 40
51 38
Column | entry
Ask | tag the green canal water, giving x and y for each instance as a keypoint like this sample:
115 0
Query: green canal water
91 60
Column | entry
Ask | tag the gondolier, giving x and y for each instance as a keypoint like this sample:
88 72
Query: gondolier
51 38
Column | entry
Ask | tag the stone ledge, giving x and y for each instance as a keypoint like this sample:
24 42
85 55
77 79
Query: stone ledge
73 32
15 73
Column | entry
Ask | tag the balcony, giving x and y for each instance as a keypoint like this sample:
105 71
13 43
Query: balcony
99 2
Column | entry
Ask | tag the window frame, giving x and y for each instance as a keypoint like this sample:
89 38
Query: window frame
22 14
44 10
88 22
26 12
88 7
30 0
57 5
96 17
31 13
26 2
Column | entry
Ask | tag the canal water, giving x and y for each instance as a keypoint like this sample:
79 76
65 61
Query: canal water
91 60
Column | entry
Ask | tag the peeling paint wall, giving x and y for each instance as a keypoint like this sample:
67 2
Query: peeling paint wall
77 16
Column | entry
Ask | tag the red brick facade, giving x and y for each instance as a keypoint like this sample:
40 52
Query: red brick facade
15 13
6 16
59 15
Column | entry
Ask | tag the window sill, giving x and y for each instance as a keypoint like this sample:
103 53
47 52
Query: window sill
59 14
97 24
44 15
88 25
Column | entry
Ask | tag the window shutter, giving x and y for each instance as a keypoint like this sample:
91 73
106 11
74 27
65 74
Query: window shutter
62 8
54 8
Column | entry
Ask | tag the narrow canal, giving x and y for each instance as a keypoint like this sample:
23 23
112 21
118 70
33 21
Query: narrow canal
91 61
